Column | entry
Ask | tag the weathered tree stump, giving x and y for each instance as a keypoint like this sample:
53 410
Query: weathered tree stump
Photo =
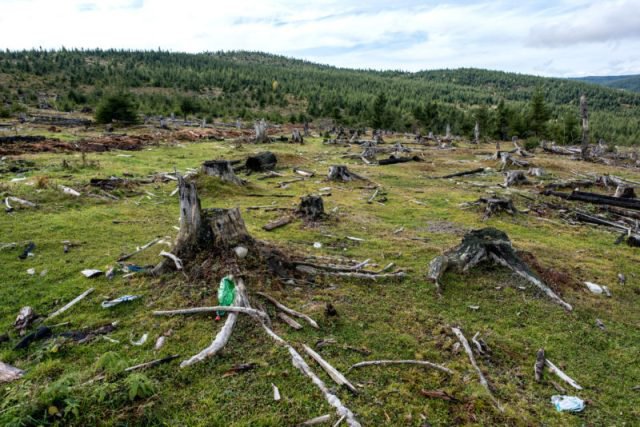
261 132
221 169
506 160
584 114
487 244
370 151
515 178
625 192
496 205
341 173
261 162
311 208
296 137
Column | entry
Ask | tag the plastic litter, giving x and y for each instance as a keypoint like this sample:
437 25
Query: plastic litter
114 302
594 287
226 294
317 245
31 271
567 403
141 341
89 273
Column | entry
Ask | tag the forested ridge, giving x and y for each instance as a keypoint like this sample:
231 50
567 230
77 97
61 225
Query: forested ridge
250 85
630 82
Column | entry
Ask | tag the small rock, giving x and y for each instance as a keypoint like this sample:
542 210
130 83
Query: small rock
599 324
241 251
31 271
621 278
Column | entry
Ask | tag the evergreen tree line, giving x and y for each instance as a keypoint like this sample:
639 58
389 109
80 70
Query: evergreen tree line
250 85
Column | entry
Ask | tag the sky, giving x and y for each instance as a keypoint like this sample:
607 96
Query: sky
551 38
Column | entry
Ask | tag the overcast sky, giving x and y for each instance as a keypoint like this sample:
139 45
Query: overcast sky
546 37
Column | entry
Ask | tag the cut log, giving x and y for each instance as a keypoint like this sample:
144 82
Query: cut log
597 199
341 173
472 359
488 244
392 160
221 169
311 208
280 222
423 363
463 173
330 370
262 162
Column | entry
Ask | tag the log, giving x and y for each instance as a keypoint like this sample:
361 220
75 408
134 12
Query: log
597 199
424 363
69 190
566 378
392 160
221 169
330 370
9 373
463 173
261 162
287 310
280 222
472 359
71 303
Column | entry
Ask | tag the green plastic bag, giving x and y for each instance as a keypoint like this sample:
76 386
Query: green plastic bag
226 293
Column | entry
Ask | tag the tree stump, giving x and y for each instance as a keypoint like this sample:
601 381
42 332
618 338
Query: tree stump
296 137
261 132
370 151
221 169
495 205
487 244
515 178
311 208
625 192
261 162
341 173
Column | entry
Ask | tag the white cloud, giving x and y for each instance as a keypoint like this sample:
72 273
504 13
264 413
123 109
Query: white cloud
563 37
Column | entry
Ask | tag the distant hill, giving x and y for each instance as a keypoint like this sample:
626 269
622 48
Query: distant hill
630 82
251 85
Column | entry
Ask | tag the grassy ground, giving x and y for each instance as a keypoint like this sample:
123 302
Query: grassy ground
391 319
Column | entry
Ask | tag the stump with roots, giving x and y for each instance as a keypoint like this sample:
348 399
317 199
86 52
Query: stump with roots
311 208
296 137
625 192
515 178
492 245
506 160
341 173
495 205
221 169
370 151
261 162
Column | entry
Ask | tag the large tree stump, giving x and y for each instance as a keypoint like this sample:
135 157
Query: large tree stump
487 244
341 173
221 169
311 208
515 178
261 132
261 162
370 151
296 137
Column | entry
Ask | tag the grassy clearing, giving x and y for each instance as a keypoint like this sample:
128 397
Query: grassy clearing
390 319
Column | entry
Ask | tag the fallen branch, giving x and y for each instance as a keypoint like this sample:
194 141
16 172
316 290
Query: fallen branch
140 249
402 362
288 310
330 370
280 222
472 359
566 378
231 309
177 261
289 321
71 304
364 275
70 191
470 172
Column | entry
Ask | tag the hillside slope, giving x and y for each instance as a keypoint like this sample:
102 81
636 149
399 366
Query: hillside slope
630 82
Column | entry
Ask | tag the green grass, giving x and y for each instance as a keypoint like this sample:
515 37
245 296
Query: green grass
390 319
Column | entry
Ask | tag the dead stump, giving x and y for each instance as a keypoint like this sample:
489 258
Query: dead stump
221 169
311 208
487 245
341 173
625 192
515 178
261 162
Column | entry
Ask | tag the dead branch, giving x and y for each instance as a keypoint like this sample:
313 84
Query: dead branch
424 363
280 222
566 378
330 370
140 249
287 310
289 321
71 303
152 364
261 315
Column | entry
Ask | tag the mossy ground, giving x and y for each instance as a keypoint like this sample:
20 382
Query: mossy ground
391 319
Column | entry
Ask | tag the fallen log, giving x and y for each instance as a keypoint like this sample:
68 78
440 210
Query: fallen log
463 173
392 160
424 363
261 162
597 199
280 222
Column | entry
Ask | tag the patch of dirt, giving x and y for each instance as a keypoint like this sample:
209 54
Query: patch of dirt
444 227
40 144
556 279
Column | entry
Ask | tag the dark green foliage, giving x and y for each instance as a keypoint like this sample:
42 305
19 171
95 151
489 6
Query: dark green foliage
241 84
631 83
119 107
